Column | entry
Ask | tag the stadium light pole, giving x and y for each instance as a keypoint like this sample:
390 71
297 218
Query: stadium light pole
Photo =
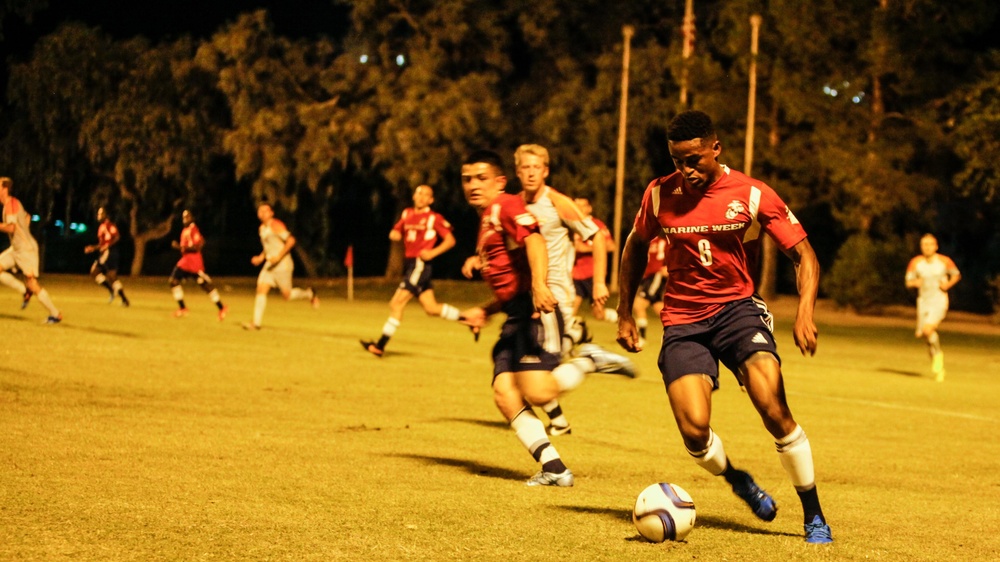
627 32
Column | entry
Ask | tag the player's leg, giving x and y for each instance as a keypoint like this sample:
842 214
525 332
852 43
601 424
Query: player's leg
117 289
397 304
530 432
99 273
639 308
932 315
31 282
205 282
265 282
177 290
13 282
433 308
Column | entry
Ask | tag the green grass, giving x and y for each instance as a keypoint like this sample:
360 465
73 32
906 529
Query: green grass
128 435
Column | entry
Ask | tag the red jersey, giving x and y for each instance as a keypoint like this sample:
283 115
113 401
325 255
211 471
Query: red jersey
503 227
657 253
421 230
107 234
583 267
713 239
191 238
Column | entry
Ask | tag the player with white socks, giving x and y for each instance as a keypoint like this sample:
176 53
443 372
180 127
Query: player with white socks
105 268
22 253
192 266
587 280
276 258
420 229
933 275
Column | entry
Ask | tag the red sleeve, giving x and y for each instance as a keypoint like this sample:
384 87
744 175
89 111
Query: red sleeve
778 220
195 236
515 219
398 227
442 226
646 225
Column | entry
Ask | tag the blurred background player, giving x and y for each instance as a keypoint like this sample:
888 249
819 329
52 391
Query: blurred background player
105 268
192 266
276 258
586 278
559 219
419 228
651 288
932 274
23 252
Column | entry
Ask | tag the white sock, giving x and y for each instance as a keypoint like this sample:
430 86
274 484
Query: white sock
12 282
117 287
610 315
178 292
713 458
300 294
934 343
389 328
449 312
531 433
214 295
796 458
572 373
100 278
46 300
555 413
259 304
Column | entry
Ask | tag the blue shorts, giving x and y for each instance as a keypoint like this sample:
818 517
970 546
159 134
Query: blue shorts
584 288
416 276
651 288
741 329
526 343
108 263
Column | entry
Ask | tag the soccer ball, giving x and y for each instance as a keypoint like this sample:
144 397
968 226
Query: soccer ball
663 512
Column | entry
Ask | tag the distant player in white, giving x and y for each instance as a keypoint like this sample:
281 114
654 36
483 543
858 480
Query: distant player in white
932 274
278 266
22 253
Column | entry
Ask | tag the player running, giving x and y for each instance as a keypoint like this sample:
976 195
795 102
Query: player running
192 266
105 268
713 218
22 253
420 229
651 286
587 279
932 274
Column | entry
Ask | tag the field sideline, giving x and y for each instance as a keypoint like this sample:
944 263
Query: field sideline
126 434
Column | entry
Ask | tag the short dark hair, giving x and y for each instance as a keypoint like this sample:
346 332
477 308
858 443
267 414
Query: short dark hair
6 182
487 157
691 124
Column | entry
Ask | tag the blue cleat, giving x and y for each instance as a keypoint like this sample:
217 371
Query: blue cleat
26 300
818 532
760 502
54 319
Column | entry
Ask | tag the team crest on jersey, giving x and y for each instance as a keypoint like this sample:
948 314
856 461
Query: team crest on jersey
734 209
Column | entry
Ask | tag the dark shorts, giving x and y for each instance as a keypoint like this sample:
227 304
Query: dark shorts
739 330
584 288
179 275
651 288
416 276
526 343
107 264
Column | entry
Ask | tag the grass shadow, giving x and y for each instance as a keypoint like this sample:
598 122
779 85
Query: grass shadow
472 467
492 424
617 514
11 317
898 372
102 331
718 523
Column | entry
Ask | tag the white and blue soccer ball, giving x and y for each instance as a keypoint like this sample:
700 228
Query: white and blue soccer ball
663 512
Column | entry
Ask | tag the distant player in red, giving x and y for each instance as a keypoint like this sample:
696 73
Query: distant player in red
583 267
651 287
420 229
713 219
105 267
192 266
514 263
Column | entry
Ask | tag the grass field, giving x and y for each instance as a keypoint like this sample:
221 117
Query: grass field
128 435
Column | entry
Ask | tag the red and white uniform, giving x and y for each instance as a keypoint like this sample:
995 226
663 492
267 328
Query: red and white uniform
421 230
107 235
503 227
713 239
190 261
657 253
583 267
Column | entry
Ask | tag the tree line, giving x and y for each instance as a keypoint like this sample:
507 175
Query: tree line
876 121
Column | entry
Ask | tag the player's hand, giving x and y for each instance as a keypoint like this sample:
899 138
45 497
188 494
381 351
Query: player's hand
257 260
90 249
175 245
474 318
426 255
471 265
543 299
628 334
600 294
806 335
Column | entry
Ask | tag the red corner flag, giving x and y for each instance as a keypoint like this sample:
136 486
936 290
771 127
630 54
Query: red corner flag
349 257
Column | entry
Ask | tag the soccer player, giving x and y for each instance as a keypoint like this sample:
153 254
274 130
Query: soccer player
105 268
558 220
932 274
513 262
420 229
192 266
278 266
22 253
651 286
587 278
713 218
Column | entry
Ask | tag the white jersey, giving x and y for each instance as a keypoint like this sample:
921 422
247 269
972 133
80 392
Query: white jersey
931 272
21 240
558 217
273 236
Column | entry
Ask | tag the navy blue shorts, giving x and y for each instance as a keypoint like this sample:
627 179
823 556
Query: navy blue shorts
179 274
651 288
526 343
741 329
584 288
416 276
109 263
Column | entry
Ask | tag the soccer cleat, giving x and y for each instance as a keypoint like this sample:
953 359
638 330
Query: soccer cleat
222 313
180 313
586 336
760 502
475 333
314 301
818 532
607 362
111 299
27 299
370 347
250 327
54 319
125 302
556 430
562 479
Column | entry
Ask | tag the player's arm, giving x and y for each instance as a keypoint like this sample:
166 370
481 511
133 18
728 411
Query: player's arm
289 244
912 277
445 245
807 283
953 276
600 294
115 237
9 225
633 265
538 261
581 246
